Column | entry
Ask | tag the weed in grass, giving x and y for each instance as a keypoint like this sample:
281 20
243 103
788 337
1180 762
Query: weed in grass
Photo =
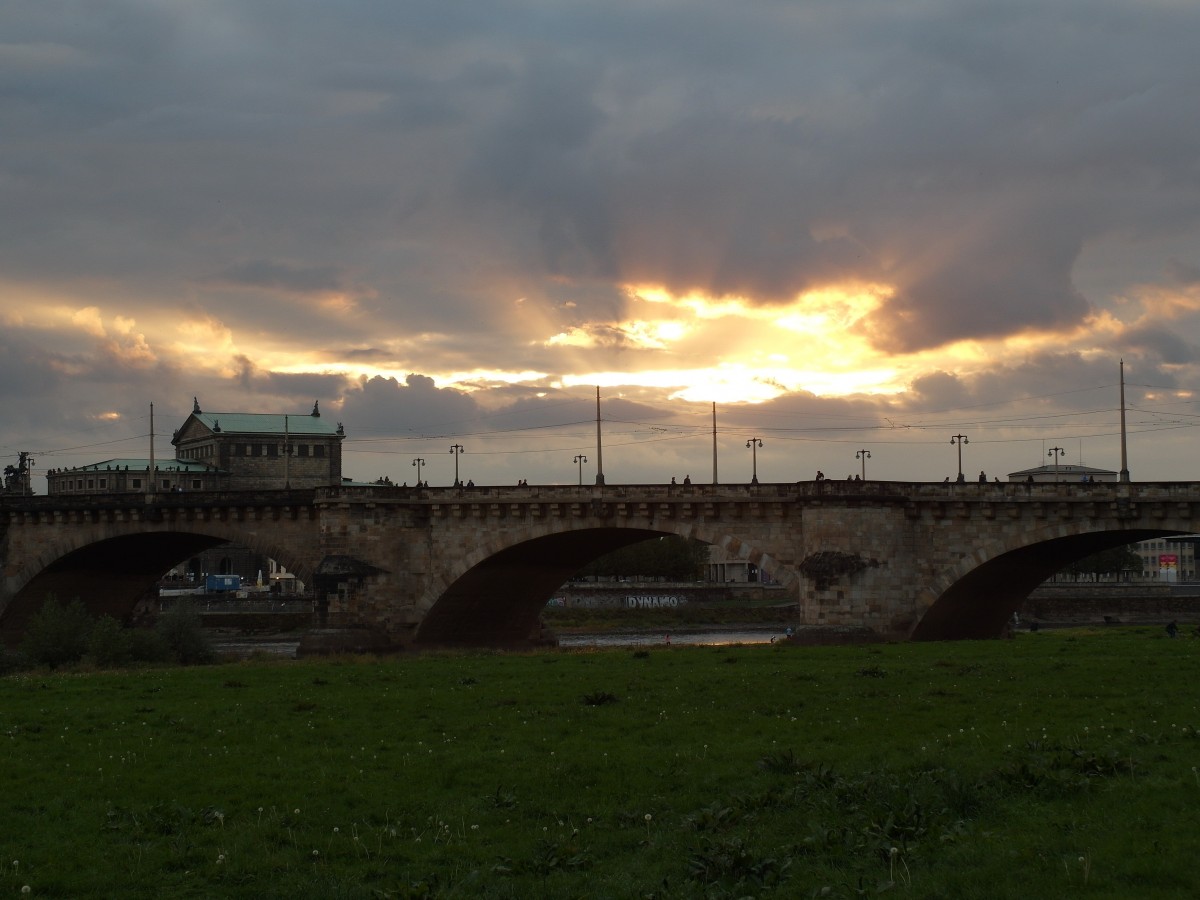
599 698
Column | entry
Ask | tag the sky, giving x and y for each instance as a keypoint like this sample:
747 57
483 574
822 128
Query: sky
854 227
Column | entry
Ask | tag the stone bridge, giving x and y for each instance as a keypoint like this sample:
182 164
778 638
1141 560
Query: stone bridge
475 566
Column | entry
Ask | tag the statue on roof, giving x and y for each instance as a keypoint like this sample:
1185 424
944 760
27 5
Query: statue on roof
316 413
195 406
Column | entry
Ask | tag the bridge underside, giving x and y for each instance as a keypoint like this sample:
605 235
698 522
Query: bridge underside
981 603
498 602
109 577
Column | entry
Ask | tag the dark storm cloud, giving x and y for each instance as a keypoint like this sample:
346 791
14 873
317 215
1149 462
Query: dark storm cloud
281 384
1161 344
285 276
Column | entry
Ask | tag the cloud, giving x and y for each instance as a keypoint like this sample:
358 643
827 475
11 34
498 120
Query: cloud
323 215
285 276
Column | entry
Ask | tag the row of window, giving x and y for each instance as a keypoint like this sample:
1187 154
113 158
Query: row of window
316 451
135 484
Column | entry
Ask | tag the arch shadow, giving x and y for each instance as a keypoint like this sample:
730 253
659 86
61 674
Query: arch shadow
498 601
981 603
109 576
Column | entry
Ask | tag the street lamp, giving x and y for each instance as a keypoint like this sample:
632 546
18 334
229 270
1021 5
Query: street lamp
580 460
959 439
418 462
456 449
1056 452
754 444
864 455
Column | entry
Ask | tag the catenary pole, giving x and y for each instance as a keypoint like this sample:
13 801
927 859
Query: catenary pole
599 444
714 442
1124 455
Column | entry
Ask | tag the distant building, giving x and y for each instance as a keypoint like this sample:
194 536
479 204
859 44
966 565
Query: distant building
1168 559
222 451
264 450
1064 472
132 476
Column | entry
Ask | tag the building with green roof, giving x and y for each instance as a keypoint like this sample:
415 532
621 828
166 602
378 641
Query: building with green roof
222 451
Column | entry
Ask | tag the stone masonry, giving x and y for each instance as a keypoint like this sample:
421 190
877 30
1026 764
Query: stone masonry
477 565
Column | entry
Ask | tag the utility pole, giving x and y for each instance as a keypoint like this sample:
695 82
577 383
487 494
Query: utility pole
864 455
599 444
959 439
1124 477
287 455
150 471
714 442
754 444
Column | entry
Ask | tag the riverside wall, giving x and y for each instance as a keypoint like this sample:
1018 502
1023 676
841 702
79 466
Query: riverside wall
1132 604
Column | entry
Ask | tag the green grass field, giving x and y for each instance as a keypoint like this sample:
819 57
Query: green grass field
1059 764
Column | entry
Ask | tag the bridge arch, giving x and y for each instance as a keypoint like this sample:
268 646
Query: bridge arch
977 596
112 570
494 592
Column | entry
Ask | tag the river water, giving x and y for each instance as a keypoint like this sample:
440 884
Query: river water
241 647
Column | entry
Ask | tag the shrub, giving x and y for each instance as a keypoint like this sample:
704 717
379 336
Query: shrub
58 633
109 644
185 640
12 661
147 645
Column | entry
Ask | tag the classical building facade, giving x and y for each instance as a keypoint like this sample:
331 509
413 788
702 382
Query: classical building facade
263 450
222 451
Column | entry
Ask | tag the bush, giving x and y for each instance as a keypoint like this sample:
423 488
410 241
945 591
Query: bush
109 644
58 633
180 630
147 645
13 661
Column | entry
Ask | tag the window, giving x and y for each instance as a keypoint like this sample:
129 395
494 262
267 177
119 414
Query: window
264 450
318 450
103 483
195 484
166 483
91 484
302 449
137 483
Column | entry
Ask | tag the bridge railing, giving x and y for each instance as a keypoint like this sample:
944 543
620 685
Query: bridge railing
892 491
786 491
181 499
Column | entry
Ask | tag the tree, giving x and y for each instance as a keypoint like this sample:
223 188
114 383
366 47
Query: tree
670 557
1106 562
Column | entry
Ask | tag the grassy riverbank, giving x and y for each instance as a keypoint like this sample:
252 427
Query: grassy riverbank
1055 764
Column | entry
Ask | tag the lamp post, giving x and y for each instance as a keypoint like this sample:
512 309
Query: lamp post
754 444
864 455
418 462
1056 452
959 439
456 449
579 461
